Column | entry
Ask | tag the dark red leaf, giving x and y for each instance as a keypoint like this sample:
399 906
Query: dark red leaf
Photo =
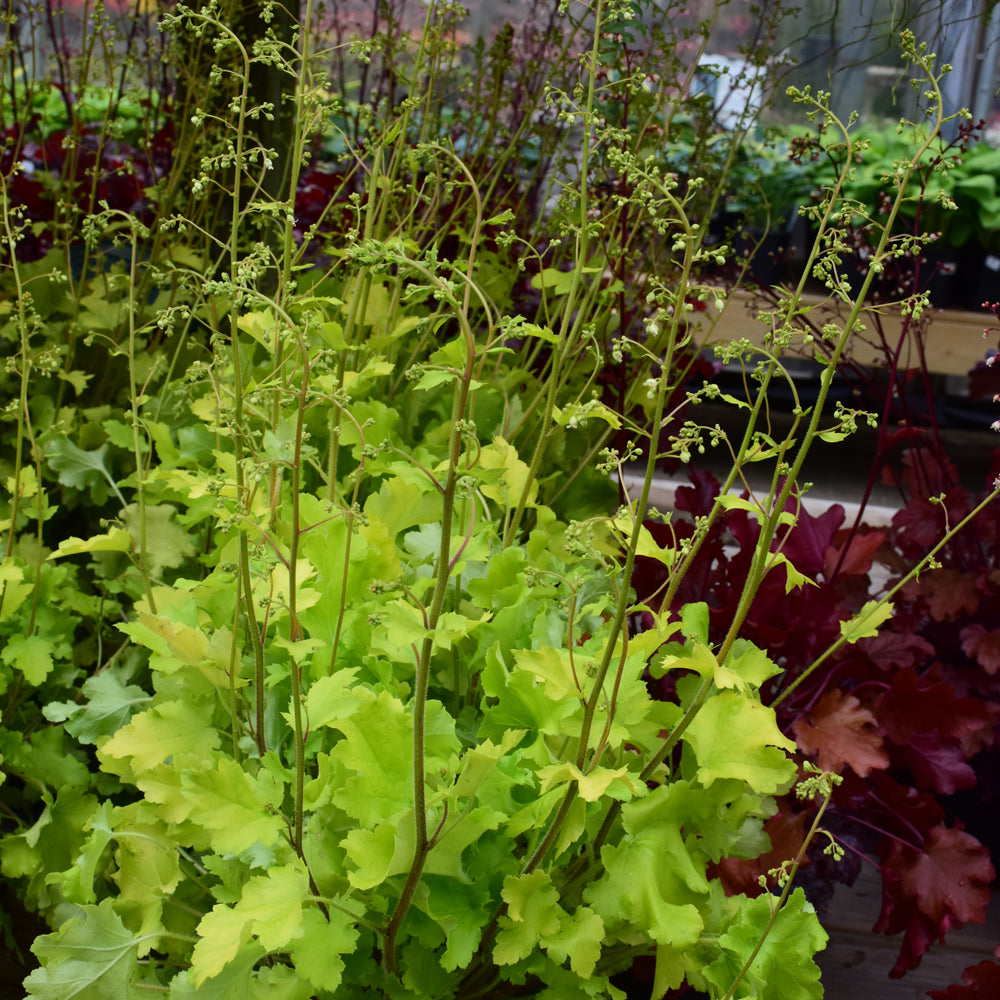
912 705
925 893
983 984
982 646
698 498
890 650
840 731
949 593
936 764
787 831
855 559
808 540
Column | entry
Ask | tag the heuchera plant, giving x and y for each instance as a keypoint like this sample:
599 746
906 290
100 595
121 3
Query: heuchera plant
321 674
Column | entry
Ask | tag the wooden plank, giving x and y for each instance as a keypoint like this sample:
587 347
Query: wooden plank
856 962
954 342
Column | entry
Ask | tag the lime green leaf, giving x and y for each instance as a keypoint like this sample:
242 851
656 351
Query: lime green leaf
695 621
651 884
865 624
597 782
498 220
91 956
31 654
189 645
549 277
378 752
736 737
78 882
222 932
161 732
793 578
747 668
692 655
273 904
371 852
332 698
579 939
167 544
316 951
784 966
479 762
115 540
14 589
553 666
730 501
234 982
502 455
148 872
533 911
238 809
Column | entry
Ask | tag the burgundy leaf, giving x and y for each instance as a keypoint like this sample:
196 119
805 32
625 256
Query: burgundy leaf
807 542
927 892
983 984
890 650
982 646
936 764
913 705
840 731
855 558
949 593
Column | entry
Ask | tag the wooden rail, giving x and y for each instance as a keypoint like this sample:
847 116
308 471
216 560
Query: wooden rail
954 339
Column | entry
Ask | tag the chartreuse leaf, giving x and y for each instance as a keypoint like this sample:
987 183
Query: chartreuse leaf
793 578
78 881
691 655
14 588
461 910
377 752
579 939
533 912
236 808
865 624
651 883
222 933
148 873
502 455
31 654
316 951
371 852
234 982
593 785
92 956
114 540
784 966
553 667
737 737
269 909
747 668
695 621
159 733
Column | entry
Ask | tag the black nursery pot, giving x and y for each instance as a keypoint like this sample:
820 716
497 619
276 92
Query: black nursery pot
937 271
940 275
765 254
